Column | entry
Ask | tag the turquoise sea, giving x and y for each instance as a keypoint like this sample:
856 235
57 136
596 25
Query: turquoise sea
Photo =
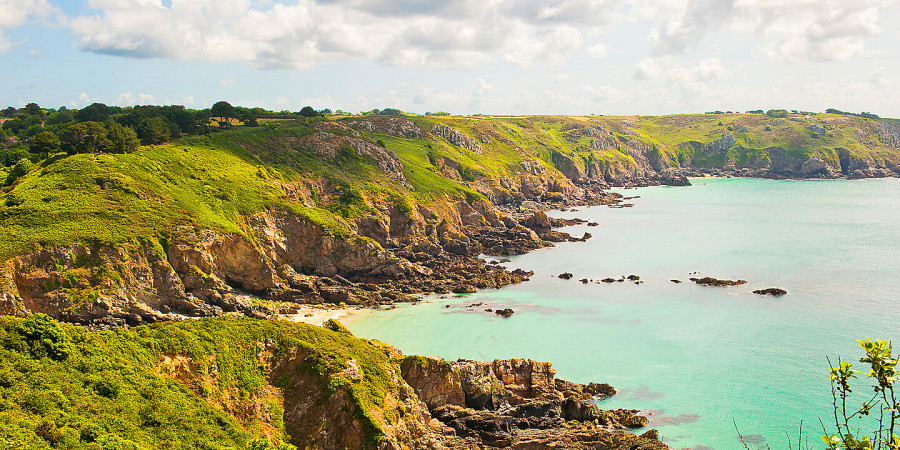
701 358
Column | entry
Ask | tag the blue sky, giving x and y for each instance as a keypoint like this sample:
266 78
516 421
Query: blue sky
463 56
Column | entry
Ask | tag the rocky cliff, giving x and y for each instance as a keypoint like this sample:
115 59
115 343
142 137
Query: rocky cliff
249 383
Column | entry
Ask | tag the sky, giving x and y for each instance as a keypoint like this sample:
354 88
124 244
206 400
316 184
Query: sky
571 57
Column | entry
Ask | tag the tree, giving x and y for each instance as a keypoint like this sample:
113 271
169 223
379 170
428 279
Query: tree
95 112
154 130
59 117
308 111
13 126
223 112
85 137
31 131
883 401
33 109
45 142
10 111
122 139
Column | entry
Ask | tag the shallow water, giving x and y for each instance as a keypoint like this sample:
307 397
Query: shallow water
699 357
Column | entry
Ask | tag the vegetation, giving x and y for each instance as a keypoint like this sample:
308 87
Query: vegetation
138 173
881 404
65 387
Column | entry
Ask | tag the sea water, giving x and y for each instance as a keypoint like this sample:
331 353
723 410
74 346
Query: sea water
703 360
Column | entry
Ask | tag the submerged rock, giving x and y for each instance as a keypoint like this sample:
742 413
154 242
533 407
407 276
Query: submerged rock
505 313
565 276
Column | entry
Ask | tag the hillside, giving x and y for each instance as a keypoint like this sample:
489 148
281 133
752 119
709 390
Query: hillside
261 384
360 209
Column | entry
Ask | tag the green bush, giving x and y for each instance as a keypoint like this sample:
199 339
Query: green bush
336 326
881 403
466 173
21 168
44 338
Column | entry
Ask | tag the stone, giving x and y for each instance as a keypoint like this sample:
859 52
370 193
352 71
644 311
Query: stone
775 292
710 281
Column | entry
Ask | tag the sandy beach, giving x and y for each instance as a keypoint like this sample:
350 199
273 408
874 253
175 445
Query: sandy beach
317 315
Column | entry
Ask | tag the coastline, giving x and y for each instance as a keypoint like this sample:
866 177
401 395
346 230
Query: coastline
318 315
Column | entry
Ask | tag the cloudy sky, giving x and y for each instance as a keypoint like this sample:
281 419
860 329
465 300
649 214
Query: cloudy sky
461 56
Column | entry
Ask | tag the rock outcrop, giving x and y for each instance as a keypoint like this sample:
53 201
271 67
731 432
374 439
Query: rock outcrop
454 137
710 281
775 292
518 403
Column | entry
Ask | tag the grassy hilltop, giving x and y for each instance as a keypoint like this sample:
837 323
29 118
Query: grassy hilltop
212 181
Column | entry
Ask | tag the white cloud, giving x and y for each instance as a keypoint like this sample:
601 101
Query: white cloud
14 13
484 85
433 34
830 34
128 99
646 69
547 47
83 100
789 30
597 51
684 29
693 79
603 93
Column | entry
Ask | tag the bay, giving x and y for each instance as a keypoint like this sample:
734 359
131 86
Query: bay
700 358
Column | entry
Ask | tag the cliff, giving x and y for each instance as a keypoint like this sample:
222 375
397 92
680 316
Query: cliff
245 383
361 209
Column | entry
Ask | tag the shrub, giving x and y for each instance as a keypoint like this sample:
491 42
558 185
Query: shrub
883 403
21 168
336 326
466 173
44 337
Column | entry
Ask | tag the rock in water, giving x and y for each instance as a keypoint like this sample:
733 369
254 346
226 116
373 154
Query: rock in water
775 292
710 281
505 313
565 276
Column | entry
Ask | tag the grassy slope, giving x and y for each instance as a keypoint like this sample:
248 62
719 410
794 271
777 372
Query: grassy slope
212 181
148 193
65 387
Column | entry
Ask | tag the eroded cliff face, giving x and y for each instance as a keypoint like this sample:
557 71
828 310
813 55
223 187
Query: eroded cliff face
281 260
393 401
641 164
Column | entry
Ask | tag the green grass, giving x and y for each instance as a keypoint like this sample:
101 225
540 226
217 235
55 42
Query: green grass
62 386
111 199
215 181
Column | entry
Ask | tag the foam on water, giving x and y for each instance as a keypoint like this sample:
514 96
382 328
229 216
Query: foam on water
699 357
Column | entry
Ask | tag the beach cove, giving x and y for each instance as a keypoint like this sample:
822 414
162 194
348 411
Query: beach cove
697 357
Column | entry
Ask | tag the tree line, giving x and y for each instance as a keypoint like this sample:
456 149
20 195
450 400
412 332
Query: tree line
33 132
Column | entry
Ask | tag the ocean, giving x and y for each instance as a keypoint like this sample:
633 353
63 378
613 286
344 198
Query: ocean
702 360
